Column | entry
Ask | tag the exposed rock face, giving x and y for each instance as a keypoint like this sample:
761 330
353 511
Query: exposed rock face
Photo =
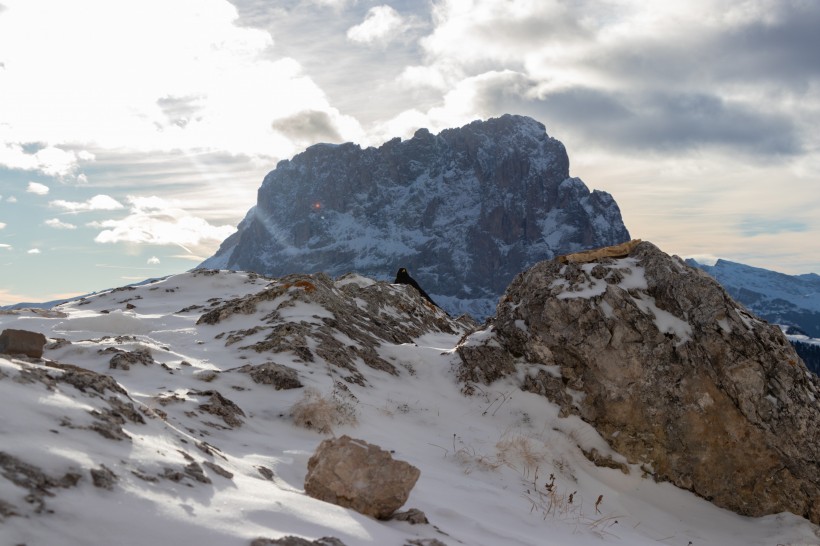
367 313
464 211
278 375
792 300
297 541
22 342
124 359
34 480
361 476
670 370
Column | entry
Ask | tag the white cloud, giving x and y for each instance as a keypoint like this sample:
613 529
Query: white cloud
34 251
338 4
425 76
155 221
704 259
11 199
2 225
116 96
5 246
37 188
381 24
98 202
56 223
485 95
153 260
190 257
49 160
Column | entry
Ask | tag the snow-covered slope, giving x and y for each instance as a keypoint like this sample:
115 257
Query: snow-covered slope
179 444
464 211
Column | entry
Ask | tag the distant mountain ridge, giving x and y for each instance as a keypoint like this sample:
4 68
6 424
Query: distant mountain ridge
792 301
464 211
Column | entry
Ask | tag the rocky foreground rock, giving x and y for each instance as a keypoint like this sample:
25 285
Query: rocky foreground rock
672 372
22 342
464 210
358 475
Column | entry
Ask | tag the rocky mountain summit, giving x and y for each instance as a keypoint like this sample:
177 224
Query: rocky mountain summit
674 374
464 211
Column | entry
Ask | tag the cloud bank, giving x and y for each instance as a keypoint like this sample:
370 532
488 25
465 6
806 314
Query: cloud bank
156 221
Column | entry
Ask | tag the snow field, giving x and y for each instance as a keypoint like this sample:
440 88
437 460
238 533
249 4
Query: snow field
485 460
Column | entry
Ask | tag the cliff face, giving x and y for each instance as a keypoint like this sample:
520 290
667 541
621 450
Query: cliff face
669 369
464 211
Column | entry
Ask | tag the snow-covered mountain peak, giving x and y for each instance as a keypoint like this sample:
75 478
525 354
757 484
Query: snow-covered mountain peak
463 210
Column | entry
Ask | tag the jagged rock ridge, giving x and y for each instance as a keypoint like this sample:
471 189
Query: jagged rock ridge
669 369
464 210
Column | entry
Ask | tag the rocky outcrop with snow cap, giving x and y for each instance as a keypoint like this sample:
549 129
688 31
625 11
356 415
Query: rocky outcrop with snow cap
464 211
672 372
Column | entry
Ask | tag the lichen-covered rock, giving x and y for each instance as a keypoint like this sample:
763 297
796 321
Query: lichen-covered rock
414 516
33 479
361 476
221 407
123 360
297 541
82 379
670 370
279 376
103 477
22 342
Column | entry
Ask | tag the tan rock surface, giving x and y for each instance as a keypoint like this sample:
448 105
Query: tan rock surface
670 370
361 476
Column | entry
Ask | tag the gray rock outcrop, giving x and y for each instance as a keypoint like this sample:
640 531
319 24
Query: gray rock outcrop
361 476
297 541
22 342
791 300
464 211
669 369
367 313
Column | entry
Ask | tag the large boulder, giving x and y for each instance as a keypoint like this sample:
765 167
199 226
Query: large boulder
361 476
669 369
22 342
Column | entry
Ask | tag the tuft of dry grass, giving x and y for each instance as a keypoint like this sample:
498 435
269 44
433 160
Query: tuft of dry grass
321 413
519 452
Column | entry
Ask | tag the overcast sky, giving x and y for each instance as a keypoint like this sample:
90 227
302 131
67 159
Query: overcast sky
133 136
